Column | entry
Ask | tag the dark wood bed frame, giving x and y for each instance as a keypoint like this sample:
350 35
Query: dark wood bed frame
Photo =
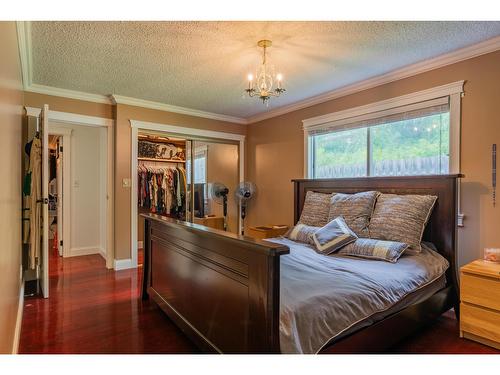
223 289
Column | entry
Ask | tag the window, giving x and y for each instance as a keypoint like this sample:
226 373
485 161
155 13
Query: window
200 167
384 139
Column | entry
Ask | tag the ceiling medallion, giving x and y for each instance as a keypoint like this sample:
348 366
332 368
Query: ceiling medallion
262 88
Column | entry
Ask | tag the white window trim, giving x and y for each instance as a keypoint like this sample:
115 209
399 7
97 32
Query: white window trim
337 119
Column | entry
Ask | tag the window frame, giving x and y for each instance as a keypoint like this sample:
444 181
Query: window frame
453 91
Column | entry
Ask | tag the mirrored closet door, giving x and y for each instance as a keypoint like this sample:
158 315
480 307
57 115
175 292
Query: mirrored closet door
215 177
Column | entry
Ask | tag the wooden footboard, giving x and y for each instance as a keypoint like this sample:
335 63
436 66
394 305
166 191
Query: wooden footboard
221 289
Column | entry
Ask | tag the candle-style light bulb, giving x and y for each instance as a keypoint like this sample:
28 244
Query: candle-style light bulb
250 81
279 77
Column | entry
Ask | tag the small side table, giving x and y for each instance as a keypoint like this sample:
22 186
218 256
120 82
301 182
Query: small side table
267 231
480 302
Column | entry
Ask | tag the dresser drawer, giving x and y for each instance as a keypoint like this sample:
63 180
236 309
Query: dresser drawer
480 290
481 322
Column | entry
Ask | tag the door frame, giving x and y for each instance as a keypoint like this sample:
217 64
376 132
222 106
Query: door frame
65 140
57 122
179 131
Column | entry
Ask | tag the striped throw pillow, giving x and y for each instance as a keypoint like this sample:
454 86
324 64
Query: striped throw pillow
333 236
389 251
316 208
302 233
401 218
356 209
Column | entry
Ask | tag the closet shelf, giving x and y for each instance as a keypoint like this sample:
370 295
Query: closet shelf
162 160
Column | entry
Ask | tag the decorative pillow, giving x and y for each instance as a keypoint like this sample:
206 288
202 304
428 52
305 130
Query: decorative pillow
315 210
375 249
401 218
356 209
333 236
302 233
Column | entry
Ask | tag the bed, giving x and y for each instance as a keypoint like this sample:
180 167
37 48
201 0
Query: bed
225 291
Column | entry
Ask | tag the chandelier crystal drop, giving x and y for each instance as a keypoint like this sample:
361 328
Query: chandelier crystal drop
261 86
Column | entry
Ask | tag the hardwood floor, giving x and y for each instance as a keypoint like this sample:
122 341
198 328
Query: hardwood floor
95 310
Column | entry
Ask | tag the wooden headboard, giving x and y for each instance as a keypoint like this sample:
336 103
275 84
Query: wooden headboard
441 229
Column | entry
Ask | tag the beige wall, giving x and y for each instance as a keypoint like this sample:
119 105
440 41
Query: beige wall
123 146
10 189
275 148
57 103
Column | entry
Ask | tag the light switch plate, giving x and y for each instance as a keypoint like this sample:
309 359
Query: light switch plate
126 182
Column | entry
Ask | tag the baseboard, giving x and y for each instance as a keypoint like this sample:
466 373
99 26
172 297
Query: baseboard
102 253
19 319
123 264
140 244
79 251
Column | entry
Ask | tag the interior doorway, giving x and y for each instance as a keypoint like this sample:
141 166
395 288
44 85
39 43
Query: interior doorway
56 194
212 165
79 188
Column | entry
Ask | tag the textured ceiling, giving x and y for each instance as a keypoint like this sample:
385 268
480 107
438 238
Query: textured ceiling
203 65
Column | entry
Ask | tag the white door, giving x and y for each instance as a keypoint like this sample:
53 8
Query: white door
59 177
44 267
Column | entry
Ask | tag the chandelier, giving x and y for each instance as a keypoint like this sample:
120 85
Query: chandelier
264 79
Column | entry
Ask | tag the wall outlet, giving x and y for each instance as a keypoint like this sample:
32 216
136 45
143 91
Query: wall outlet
126 182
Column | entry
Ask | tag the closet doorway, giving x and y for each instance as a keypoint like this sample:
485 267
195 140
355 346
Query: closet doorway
184 173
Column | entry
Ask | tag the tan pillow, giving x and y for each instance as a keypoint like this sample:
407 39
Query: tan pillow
356 210
316 208
374 249
401 218
302 233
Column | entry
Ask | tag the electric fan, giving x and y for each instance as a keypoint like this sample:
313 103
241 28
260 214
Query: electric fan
219 194
244 192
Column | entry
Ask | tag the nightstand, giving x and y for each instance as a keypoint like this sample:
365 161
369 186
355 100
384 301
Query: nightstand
267 231
480 302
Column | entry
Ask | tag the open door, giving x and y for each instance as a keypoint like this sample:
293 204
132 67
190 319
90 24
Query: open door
44 264
59 178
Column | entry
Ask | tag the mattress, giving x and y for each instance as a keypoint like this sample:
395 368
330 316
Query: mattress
323 298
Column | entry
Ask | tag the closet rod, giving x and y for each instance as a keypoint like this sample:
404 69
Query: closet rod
161 160
160 139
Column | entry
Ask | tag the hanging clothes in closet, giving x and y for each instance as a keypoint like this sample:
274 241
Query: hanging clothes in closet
162 190
32 191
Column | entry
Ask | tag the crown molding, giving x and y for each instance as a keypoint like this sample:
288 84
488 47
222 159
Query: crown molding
469 52
23 29
24 41
119 99
72 94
